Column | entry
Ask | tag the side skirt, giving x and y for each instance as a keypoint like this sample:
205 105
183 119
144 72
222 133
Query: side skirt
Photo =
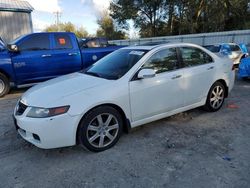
167 114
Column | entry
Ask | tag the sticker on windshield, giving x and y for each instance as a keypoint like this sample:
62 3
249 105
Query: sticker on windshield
140 53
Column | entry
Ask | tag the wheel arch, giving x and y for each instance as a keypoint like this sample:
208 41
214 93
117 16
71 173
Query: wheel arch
6 74
126 121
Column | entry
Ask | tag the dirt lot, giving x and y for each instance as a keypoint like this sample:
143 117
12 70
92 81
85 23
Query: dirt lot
192 149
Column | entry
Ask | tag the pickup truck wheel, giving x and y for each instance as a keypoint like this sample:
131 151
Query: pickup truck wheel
4 85
100 129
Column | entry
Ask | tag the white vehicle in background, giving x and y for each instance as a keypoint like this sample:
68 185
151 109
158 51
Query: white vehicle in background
128 88
234 51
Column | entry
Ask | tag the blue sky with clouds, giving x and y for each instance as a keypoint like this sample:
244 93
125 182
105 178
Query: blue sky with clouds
80 12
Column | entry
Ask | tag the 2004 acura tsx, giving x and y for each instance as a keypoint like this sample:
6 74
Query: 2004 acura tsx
128 88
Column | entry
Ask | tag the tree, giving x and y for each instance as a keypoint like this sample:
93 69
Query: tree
68 27
148 16
173 17
108 29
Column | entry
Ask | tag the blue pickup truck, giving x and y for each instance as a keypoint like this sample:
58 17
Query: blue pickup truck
37 57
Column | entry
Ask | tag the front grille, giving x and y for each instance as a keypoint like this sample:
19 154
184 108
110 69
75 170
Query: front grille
21 109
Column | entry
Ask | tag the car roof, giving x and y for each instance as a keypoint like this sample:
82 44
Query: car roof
150 47
217 44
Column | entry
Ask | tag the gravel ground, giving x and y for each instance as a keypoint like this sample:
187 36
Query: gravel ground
191 149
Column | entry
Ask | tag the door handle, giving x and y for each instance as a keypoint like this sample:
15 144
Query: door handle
72 54
46 55
210 68
176 76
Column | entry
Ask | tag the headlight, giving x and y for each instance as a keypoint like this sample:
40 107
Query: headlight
36 112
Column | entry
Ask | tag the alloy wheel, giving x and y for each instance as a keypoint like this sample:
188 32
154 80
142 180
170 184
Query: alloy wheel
2 86
102 130
217 97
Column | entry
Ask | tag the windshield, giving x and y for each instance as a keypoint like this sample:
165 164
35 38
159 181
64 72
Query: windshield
213 48
115 65
2 46
17 39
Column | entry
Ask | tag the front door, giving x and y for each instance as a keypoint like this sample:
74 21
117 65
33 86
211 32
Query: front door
160 94
33 61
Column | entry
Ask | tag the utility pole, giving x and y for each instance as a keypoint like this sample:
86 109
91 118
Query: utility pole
58 15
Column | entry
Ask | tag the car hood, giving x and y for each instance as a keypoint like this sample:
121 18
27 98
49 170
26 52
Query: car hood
44 94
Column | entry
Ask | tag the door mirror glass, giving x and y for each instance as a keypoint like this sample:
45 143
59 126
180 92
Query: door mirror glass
146 73
13 48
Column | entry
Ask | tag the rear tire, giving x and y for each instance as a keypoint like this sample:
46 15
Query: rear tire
215 97
100 129
4 85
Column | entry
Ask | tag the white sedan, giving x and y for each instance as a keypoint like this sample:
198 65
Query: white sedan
128 88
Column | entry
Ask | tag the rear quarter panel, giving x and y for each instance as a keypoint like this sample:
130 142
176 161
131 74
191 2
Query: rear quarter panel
224 71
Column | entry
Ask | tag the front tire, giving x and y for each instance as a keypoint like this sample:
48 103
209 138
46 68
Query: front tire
4 85
215 98
100 129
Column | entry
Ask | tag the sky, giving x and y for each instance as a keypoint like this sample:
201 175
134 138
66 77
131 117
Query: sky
80 12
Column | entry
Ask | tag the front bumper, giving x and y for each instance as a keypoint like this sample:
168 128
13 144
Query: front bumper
48 133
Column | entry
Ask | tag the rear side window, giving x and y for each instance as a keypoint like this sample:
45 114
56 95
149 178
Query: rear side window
162 61
63 41
234 47
103 42
93 43
35 42
194 56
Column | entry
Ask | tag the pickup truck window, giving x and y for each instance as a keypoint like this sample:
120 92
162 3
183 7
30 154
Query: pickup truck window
63 42
93 43
35 42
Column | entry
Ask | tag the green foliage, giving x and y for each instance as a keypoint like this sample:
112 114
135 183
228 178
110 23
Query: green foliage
172 17
107 28
68 27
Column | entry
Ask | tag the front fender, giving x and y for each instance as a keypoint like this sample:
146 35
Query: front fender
6 66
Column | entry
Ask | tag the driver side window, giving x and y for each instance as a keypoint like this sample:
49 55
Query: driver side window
35 42
162 61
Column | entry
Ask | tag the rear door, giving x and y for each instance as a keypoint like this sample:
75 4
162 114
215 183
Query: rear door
198 74
162 93
66 54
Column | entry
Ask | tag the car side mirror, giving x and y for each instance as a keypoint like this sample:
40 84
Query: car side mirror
146 73
13 48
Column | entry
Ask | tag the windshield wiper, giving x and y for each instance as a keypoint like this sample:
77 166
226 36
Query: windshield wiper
92 74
